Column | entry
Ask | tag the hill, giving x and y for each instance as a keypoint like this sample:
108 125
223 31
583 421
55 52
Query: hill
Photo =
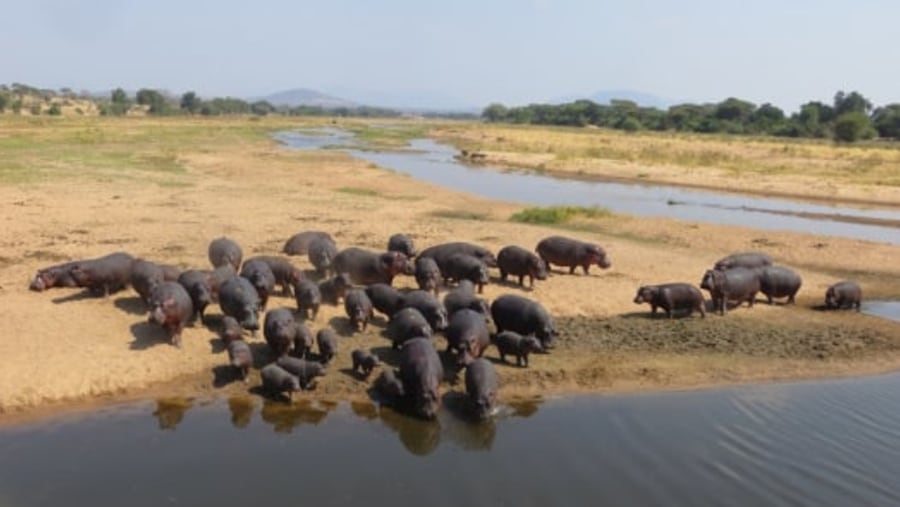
306 97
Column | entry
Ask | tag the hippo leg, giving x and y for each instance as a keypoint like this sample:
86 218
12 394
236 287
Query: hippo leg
503 275
751 300
503 357
790 300
522 280
481 287
587 268
525 359
519 360
571 270
771 301
530 281
653 309
668 313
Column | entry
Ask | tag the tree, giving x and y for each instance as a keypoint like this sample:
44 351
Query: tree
887 121
850 103
261 108
190 102
4 101
766 119
119 96
154 99
54 109
736 110
494 112
118 105
851 127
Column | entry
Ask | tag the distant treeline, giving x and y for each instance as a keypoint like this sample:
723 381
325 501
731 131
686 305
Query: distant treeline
849 118
18 97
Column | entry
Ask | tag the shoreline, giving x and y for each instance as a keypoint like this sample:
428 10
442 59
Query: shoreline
66 350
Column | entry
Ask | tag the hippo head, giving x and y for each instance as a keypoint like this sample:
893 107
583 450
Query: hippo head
482 407
830 298
295 275
645 294
342 283
439 318
231 330
159 312
428 404
201 294
480 273
358 315
532 344
42 280
711 279
486 257
250 320
598 256
537 267
290 384
546 334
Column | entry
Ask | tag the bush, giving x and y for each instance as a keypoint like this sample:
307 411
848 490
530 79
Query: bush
54 110
851 127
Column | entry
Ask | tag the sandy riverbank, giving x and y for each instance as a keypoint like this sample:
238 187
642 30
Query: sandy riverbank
61 348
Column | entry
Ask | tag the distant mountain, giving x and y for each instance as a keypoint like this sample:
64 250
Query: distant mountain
604 96
307 97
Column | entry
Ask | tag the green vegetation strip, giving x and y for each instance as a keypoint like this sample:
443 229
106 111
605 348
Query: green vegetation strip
558 214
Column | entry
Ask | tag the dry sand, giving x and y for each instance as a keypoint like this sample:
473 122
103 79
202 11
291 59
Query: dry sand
61 348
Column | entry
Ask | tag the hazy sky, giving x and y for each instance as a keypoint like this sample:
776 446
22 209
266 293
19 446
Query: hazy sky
463 52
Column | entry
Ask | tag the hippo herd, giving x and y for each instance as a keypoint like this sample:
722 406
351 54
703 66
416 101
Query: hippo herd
362 281
737 278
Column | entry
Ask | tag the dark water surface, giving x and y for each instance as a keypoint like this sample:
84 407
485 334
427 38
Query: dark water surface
834 443
434 162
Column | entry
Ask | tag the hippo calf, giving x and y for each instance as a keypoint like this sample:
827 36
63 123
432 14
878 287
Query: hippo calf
671 297
431 307
738 284
335 288
223 251
276 380
516 261
54 276
421 373
401 243
104 275
280 330
358 308
467 335
327 341
364 361
308 298
407 324
779 282
299 243
303 341
442 252
240 357
388 384
428 275
512 343
321 255
146 275
748 260
239 299
231 330
199 285
466 267
481 388
260 275
463 296
846 294
571 253
286 274
305 371
385 299
524 316
171 307
365 267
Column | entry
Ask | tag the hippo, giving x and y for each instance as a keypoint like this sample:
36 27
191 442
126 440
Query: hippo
308 298
517 261
463 296
749 260
364 361
385 299
571 253
402 243
54 276
286 274
231 330
276 380
430 306
104 275
846 294
327 341
406 324
145 276
441 252
238 298
365 267
737 284
779 282
671 297
171 307
261 276
333 290
220 275
321 255
280 330
358 308
481 388
467 335
199 285
525 316
298 244
465 267
512 343
171 272
388 385
303 342
240 357
428 274
421 373
223 251
305 371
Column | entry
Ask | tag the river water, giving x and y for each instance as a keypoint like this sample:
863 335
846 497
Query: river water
435 162
833 443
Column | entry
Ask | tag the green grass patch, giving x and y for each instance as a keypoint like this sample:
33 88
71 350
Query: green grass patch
366 192
459 214
558 214
388 136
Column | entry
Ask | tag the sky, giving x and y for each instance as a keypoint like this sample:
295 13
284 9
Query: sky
460 53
